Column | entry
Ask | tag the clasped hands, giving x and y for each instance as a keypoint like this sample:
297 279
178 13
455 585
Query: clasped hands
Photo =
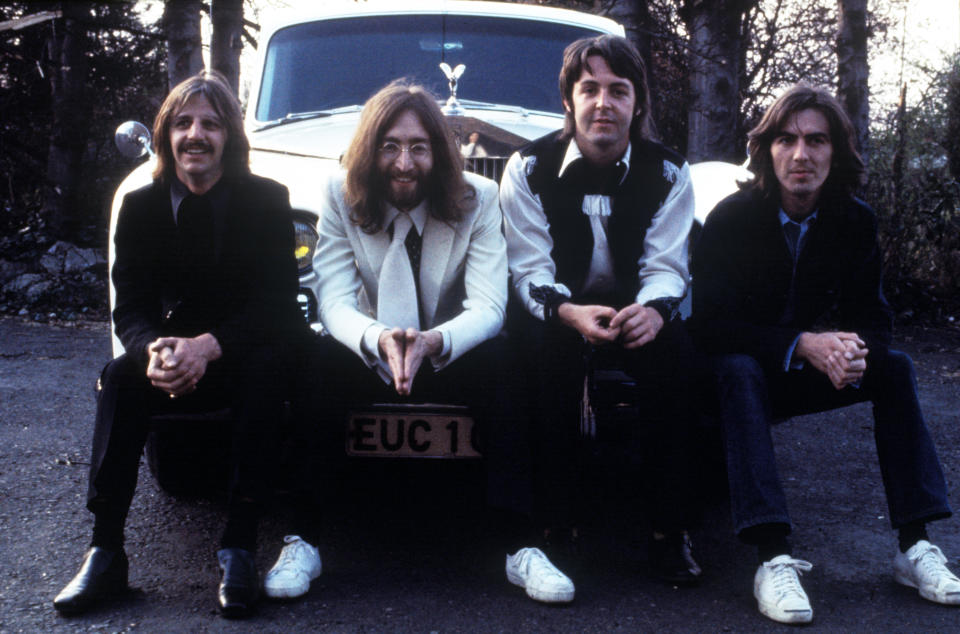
842 356
632 326
176 364
405 350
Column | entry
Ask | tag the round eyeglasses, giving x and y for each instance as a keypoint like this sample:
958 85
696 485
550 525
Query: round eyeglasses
391 150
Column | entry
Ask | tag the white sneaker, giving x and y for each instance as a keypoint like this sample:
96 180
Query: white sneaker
530 569
299 564
779 594
924 567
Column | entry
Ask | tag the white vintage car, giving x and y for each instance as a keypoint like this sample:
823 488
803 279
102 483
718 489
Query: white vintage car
319 64
494 67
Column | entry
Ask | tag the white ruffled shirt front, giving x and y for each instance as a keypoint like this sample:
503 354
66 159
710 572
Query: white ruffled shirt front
663 266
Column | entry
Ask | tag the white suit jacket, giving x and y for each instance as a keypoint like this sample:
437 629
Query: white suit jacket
463 271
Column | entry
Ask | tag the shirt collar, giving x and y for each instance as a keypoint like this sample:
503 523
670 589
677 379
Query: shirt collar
804 224
573 153
178 192
418 215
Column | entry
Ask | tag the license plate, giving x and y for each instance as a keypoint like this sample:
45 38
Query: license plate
403 431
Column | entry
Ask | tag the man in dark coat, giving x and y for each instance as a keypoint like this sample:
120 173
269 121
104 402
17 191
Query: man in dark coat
206 284
788 304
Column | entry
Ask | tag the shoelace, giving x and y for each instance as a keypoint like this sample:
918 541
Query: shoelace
786 576
931 561
534 558
290 554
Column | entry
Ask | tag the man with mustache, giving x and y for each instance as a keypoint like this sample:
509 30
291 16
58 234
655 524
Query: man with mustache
206 284
597 222
788 304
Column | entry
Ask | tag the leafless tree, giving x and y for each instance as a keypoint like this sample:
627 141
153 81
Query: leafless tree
718 36
66 52
852 68
227 39
181 26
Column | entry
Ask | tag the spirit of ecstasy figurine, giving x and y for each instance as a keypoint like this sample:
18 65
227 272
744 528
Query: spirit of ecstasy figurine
453 106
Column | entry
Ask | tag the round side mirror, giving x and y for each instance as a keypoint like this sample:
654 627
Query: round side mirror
132 139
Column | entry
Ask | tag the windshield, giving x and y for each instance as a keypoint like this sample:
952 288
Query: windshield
334 63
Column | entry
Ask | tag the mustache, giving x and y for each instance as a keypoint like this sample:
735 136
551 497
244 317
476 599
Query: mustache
194 145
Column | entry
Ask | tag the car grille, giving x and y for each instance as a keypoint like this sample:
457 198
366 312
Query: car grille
491 167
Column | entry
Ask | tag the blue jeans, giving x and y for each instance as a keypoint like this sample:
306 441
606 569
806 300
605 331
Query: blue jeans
750 401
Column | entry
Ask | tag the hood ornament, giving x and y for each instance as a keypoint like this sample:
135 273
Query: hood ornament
453 106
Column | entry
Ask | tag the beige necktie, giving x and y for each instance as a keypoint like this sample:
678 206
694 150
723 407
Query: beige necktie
397 291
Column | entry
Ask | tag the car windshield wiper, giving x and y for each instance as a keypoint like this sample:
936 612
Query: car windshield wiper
486 105
303 116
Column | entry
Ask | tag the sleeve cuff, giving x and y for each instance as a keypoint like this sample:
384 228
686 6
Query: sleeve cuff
444 356
370 342
789 363
548 297
668 307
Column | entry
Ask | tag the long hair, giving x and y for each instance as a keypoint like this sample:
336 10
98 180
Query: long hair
625 61
364 190
846 168
211 85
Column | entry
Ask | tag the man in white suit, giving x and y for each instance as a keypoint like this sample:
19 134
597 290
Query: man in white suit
412 271
403 167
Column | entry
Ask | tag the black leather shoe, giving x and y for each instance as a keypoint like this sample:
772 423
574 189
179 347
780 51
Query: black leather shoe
671 559
103 573
239 585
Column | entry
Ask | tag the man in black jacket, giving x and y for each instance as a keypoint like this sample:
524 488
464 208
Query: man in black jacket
788 303
206 284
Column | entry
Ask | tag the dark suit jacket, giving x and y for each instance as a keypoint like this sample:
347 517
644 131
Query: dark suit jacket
742 270
249 295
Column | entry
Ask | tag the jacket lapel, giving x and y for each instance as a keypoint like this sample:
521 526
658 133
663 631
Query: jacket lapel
438 239
375 247
778 253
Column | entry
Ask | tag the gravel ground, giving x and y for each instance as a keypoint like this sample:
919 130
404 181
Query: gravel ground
415 556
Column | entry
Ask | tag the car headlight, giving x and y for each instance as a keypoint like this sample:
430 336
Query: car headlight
305 239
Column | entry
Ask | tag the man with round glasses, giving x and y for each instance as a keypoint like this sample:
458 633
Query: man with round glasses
434 292
412 281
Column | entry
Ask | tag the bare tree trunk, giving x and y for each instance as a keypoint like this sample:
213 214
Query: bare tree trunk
716 30
895 225
68 135
181 26
227 42
951 140
634 15
852 69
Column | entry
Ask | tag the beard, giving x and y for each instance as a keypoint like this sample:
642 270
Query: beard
404 190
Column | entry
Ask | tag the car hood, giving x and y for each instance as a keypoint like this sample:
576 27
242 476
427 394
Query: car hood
328 137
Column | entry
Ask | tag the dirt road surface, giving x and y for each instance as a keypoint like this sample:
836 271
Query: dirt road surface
435 569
